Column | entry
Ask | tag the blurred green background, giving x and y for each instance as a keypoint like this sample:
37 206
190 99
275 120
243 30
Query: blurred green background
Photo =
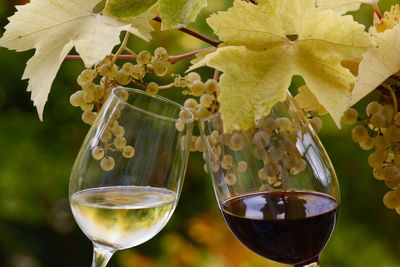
36 225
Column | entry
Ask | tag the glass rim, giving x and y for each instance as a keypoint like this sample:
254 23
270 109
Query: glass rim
210 116
152 114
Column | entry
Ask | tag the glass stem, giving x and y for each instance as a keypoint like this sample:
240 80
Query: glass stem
311 263
101 256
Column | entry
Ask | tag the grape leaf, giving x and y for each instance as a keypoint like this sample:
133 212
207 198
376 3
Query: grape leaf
308 102
378 64
343 6
127 8
179 13
53 28
259 58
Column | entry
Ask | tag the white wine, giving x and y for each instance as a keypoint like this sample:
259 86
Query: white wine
122 216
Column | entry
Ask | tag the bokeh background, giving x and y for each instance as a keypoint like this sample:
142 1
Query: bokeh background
36 225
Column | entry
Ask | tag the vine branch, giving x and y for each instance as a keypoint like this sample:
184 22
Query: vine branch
121 48
174 59
195 34
390 90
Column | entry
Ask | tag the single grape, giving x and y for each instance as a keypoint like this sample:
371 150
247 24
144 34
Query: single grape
227 162
261 139
123 94
160 68
373 107
242 166
197 88
272 180
152 88
205 168
381 142
211 86
391 199
88 117
237 141
122 78
350 116
138 72
180 126
161 54
128 152
118 131
206 100
359 133
290 160
88 87
378 120
107 163
144 57
284 123
199 145
98 153
76 99
392 133
214 137
376 159
379 174
387 111
367 143
192 76
128 68
262 174
202 112
230 179
185 115
79 80
190 103
271 169
88 97
277 152
119 142
87 107
107 135
268 125
214 166
391 172
98 92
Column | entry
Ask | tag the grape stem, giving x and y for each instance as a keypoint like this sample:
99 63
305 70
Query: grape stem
216 75
139 84
377 11
166 86
195 34
121 48
130 52
390 90
174 59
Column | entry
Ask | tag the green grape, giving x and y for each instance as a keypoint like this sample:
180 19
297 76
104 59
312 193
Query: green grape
138 72
107 135
88 75
272 180
230 179
88 87
87 107
379 174
316 123
107 163
237 141
88 97
276 153
161 54
160 68
119 142
373 107
350 116
300 166
376 159
128 68
185 115
242 166
122 78
268 125
123 94
206 100
397 159
392 133
284 123
391 199
227 162
290 160
392 183
152 88
378 120
144 57
214 166
391 172
118 131
202 112
214 137
76 99
190 103
262 174
381 142
205 168
192 76
180 126
211 86
367 144
261 139
88 117
387 111
79 80
359 134
271 169
109 71
98 153
193 143
128 152
197 88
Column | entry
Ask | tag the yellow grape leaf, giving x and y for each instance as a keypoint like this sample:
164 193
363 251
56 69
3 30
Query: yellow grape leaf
202 54
54 27
267 44
308 102
343 6
179 13
378 64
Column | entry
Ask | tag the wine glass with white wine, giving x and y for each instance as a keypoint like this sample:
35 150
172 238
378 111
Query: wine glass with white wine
128 175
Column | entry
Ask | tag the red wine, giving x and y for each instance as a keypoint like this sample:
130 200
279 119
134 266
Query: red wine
289 227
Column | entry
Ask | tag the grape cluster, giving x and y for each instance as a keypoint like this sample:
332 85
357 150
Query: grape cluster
380 130
272 140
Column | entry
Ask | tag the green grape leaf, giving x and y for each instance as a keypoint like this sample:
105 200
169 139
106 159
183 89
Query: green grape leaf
179 13
127 8
54 27
308 102
343 6
267 44
379 63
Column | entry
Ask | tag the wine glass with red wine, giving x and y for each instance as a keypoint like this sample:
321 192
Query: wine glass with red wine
274 184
